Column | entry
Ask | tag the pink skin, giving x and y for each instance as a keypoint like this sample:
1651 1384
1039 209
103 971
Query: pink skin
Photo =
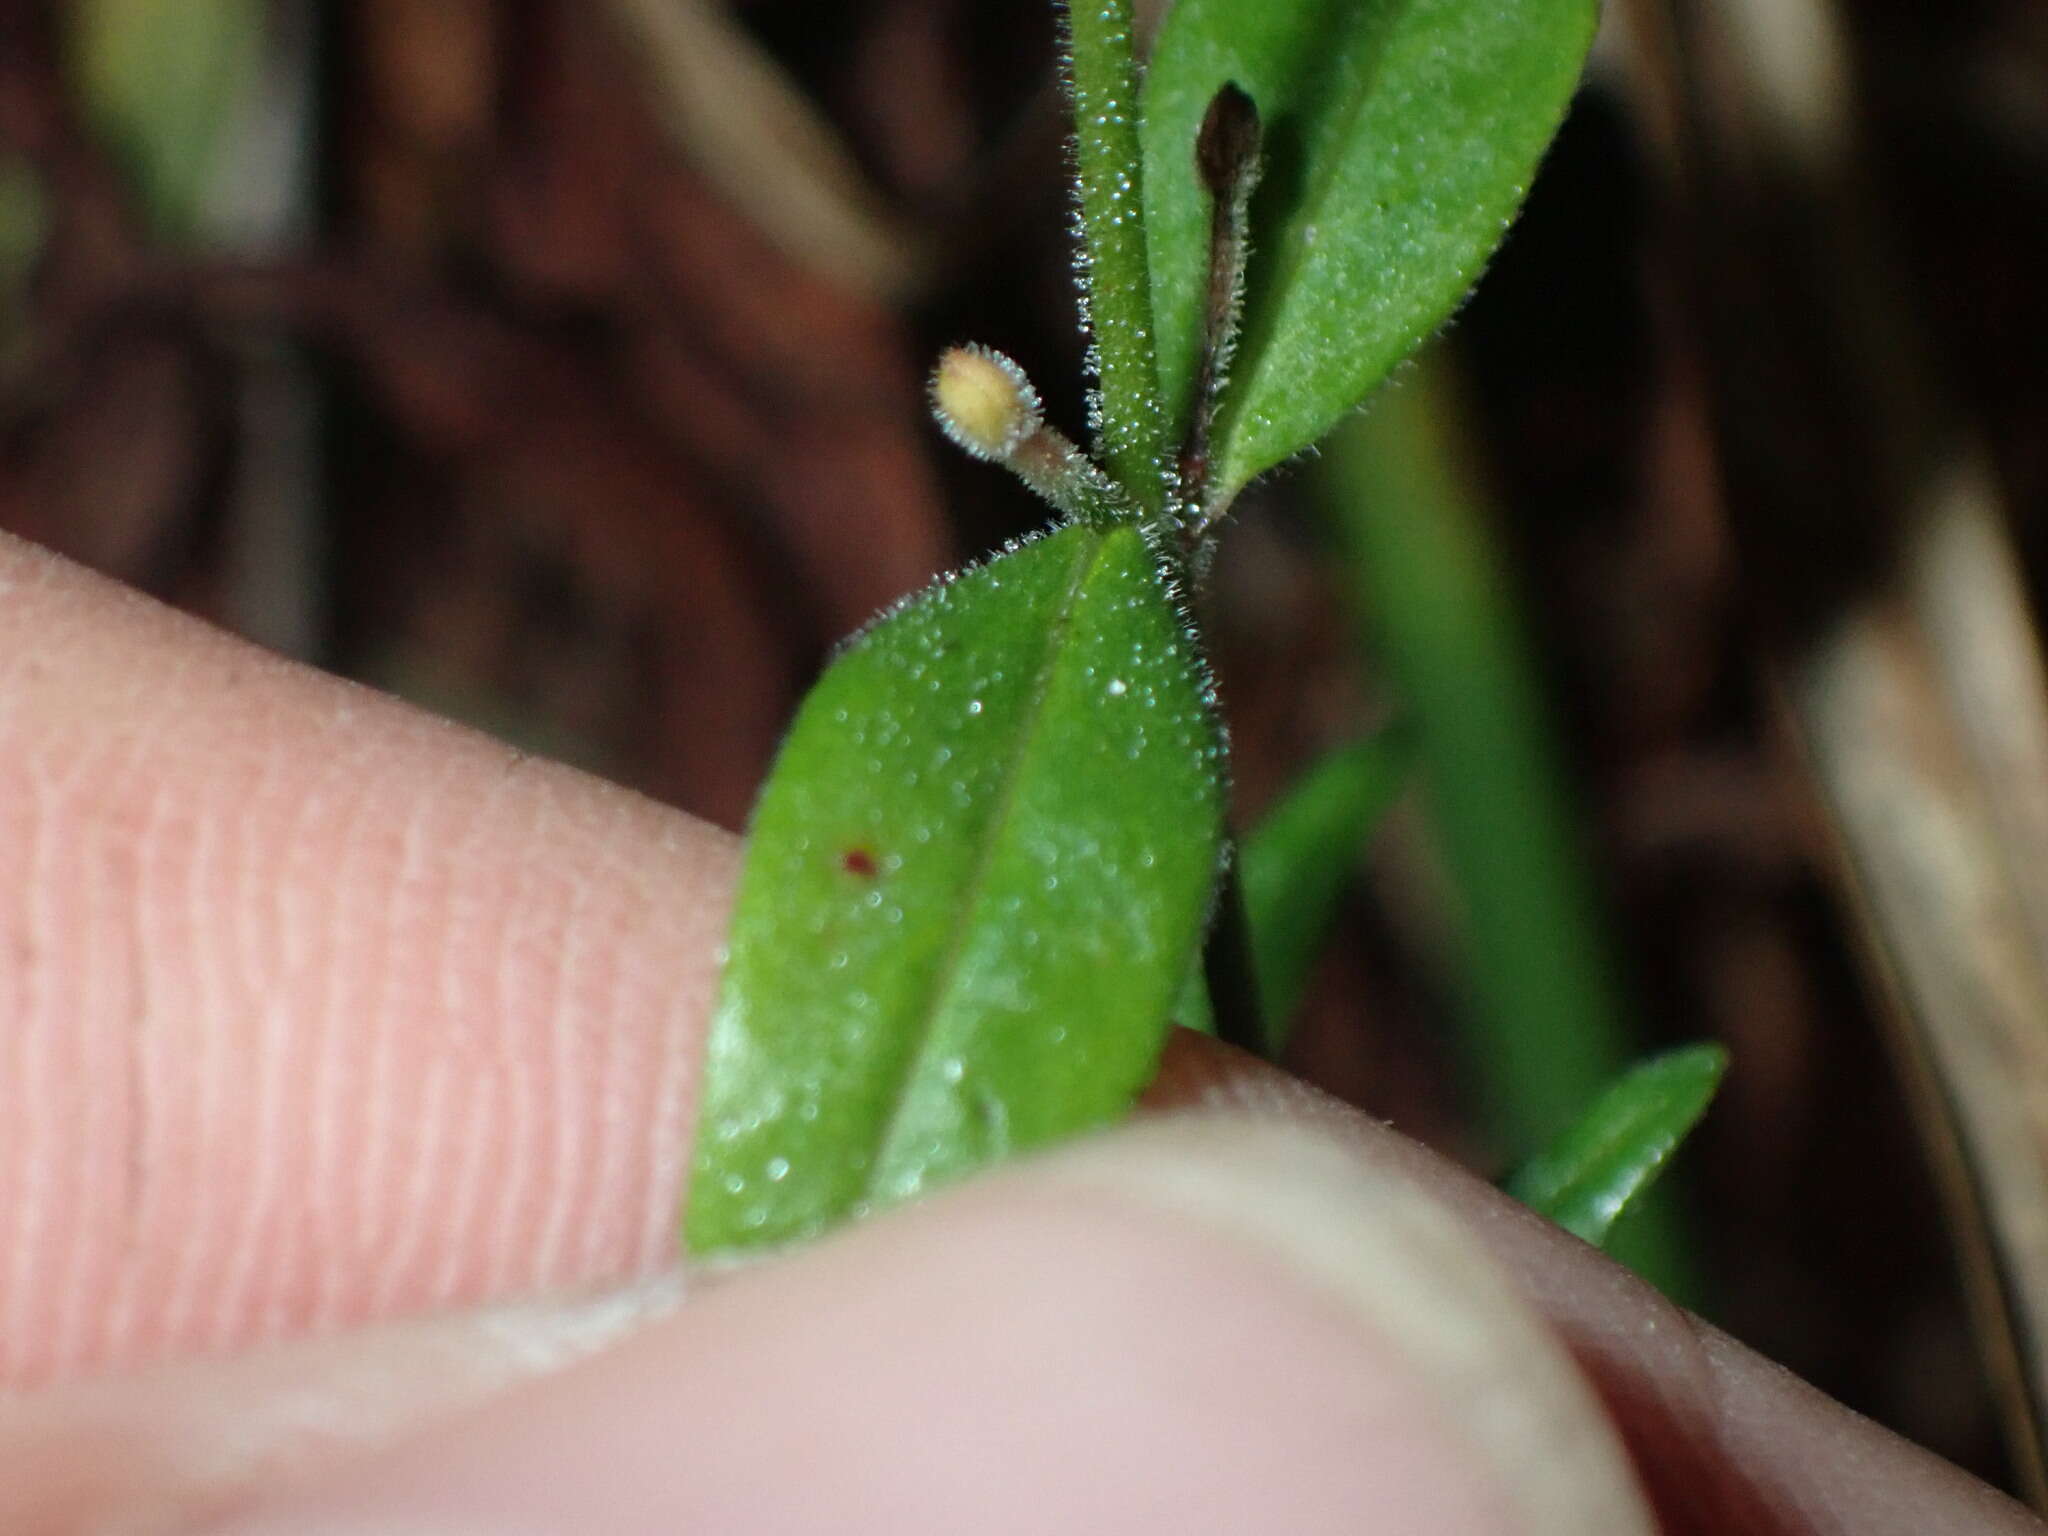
317 1013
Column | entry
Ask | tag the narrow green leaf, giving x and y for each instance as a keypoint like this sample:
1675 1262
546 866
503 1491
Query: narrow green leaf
1401 136
973 886
24 225
1117 287
161 82
1546 1019
1297 860
1601 1166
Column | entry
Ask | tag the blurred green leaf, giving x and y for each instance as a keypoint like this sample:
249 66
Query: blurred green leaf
1546 1023
1546 1017
24 218
24 224
1117 289
161 81
973 887
1595 1172
1297 861
1401 136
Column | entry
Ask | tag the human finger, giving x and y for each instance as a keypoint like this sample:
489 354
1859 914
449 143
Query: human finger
314 1009
1193 1325
1720 1439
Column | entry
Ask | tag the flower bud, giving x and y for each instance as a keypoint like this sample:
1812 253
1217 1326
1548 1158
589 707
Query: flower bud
984 402
987 406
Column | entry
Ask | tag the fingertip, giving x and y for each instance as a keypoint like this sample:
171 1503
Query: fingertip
1722 1438
320 1010
1194 1328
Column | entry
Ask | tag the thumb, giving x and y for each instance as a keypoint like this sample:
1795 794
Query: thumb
1197 1324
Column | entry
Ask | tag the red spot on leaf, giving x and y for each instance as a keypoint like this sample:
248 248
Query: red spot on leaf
858 861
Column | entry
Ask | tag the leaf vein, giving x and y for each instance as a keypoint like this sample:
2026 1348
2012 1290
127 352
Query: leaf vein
948 969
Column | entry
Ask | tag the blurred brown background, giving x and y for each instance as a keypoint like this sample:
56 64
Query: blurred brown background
560 365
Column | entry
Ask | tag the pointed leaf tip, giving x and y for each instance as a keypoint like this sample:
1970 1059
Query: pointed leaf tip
1401 139
1593 1174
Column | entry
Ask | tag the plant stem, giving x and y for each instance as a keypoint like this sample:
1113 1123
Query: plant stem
1102 73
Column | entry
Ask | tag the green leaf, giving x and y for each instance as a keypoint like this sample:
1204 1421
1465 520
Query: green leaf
1546 1020
1117 290
1297 860
1601 1166
161 82
24 225
973 886
1401 136
1194 1010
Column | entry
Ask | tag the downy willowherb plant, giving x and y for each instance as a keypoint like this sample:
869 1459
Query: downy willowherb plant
978 881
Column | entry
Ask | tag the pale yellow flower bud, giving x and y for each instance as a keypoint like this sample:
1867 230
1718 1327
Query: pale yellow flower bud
984 402
987 406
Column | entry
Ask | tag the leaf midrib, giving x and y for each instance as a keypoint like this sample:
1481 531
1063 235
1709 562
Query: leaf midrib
948 969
